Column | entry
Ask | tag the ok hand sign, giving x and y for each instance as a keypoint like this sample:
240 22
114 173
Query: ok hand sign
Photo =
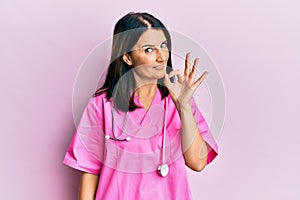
182 91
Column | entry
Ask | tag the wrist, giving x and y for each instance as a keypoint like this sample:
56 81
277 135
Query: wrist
183 107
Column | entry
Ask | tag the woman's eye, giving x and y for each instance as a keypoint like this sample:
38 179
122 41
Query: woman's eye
164 45
149 50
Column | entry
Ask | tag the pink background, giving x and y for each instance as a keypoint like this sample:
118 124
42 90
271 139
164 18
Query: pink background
255 45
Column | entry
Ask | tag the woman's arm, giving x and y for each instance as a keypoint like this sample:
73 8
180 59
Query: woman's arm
181 91
88 186
193 146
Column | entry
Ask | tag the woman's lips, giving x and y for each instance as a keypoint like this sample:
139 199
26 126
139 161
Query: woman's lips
159 67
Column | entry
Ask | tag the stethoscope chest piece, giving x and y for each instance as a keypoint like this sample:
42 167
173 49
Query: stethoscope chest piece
163 170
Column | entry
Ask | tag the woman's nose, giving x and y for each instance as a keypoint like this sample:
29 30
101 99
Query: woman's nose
160 55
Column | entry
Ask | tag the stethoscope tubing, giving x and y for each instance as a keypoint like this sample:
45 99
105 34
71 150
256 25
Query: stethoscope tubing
163 168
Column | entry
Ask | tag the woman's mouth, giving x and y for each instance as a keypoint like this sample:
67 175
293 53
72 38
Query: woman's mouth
159 67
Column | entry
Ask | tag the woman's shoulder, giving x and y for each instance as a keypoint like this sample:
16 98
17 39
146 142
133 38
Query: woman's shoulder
100 99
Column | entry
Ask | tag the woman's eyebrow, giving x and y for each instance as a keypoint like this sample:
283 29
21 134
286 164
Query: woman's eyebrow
148 45
151 45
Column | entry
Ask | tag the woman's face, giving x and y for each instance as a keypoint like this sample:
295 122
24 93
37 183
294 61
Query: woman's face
149 56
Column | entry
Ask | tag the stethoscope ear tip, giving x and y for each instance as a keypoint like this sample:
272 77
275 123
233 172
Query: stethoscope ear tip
128 139
107 137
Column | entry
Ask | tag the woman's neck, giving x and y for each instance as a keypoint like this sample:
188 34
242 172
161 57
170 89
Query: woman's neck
146 90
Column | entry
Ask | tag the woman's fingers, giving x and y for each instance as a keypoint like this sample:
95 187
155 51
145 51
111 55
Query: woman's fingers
191 74
178 74
200 80
187 64
180 78
194 69
189 80
167 81
174 73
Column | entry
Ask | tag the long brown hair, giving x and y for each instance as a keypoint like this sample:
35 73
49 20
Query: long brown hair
127 32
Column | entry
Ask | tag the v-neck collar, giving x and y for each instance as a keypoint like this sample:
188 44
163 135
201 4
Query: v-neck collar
140 115
154 100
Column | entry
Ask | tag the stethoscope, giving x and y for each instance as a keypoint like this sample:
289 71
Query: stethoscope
163 168
113 129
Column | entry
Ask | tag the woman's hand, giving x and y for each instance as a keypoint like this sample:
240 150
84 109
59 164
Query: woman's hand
183 89
193 145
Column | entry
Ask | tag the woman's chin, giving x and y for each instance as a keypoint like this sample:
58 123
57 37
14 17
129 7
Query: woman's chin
160 75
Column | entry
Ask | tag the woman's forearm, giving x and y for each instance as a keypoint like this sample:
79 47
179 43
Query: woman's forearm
88 186
193 145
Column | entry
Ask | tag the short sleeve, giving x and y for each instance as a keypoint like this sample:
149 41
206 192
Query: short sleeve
205 132
85 150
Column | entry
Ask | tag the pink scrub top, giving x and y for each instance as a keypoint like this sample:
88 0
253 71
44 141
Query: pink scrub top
128 170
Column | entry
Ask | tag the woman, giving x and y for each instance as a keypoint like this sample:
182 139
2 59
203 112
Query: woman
142 127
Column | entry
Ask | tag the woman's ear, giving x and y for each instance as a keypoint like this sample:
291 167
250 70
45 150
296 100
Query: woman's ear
127 59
